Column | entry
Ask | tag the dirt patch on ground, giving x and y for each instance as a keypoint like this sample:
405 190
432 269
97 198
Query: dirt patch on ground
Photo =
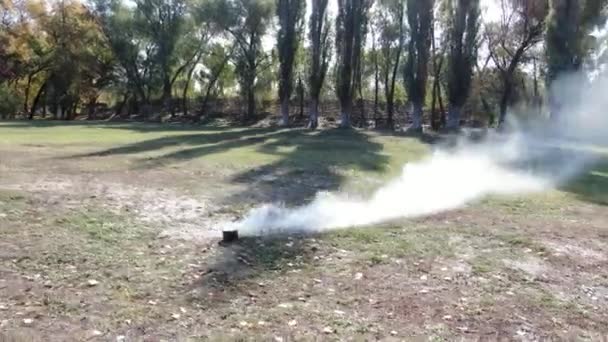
581 251
180 216
532 266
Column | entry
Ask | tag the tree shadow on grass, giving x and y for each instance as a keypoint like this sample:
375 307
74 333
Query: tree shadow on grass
208 141
308 163
140 127
576 169
592 184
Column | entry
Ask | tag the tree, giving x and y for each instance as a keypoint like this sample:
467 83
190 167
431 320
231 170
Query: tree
131 49
463 31
162 21
291 14
26 53
567 41
420 19
519 29
351 25
376 65
215 65
78 63
391 25
246 21
438 60
319 30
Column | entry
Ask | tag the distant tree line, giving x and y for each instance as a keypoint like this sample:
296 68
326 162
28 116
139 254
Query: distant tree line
439 58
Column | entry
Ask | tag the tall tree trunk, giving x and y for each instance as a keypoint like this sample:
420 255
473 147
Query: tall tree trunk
350 26
463 46
376 90
563 46
362 105
289 13
434 116
27 94
442 113
37 99
507 76
121 105
389 114
313 121
488 109
537 98
417 112
167 95
92 115
454 117
301 95
55 107
250 81
376 77
44 105
345 113
250 103
73 112
186 86
504 99
420 19
285 112
318 33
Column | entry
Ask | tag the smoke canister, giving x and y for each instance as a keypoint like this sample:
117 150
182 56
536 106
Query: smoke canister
229 236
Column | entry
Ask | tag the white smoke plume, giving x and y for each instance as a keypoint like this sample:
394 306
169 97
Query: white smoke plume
535 158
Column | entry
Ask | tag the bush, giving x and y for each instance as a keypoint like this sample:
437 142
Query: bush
9 102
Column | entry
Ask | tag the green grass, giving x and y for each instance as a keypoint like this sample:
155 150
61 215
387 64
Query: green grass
349 156
71 237
378 244
165 144
102 227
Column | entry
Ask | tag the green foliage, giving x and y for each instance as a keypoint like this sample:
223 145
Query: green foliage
290 14
567 37
390 25
65 56
217 66
351 28
247 21
161 22
126 42
464 22
420 20
320 37
9 101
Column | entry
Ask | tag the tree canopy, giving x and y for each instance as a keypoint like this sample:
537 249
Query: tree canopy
191 59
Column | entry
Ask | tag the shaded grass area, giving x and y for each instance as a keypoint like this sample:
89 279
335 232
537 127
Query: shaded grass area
592 184
281 165
323 160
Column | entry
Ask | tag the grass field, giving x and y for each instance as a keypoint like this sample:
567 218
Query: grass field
109 232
